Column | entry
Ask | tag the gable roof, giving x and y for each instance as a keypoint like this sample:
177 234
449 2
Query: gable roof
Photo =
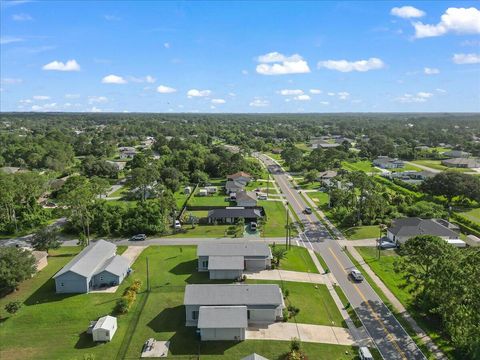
456 154
245 196
416 226
327 174
226 263
233 294
232 184
234 212
222 317
90 259
469 162
106 322
233 249
254 356
238 175
116 265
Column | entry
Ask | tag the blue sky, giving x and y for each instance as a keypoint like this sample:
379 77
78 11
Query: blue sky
240 56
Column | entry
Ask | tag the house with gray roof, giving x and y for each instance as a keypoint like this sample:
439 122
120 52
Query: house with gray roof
233 186
96 266
230 260
230 215
406 228
246 199
386 162
467 163
224 311
457 154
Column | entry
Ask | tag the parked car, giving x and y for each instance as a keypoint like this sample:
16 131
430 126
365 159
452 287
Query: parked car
364 353
307 210
138 237
253 226
356 275
262 197
384 244
178 225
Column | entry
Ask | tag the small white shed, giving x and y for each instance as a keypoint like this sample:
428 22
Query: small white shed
105 328
187 190
472 240
211 189
202 192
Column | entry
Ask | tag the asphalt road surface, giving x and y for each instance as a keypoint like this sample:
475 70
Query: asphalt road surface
391 339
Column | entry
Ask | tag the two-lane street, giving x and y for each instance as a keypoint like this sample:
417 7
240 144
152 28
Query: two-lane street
389 336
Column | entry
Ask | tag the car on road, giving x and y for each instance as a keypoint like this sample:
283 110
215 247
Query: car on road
356 275
178 225
364 353
307 210
138 237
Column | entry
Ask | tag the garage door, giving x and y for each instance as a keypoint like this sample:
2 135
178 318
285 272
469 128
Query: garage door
255 264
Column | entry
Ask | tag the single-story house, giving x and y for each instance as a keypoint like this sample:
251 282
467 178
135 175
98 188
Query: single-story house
232 186
254 356
241 177
104 329
406 228
119 165
462 163
325 177
246 199
324 145
411 177
230 260
95 266
341 140
472 240
223 311
456 154
386 162
127 152
230 215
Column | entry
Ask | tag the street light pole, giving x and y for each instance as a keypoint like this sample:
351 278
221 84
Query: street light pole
287 228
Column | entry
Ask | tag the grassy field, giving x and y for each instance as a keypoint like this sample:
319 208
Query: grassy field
350 309
436 164
201 231
276 218
180 198
364 165
120 192
298 259
319 198
473 215
407 167
217 199
362 232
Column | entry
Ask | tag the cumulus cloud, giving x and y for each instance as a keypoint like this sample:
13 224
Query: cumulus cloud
287 92
113 79
315 91
70 65
302 98
347 66
95 109
218 101
41 97
97 99
198 93
455 20
407 12
431 71
21 17
259 103
275 63
419 97
45 107
466 59
163 89
244 72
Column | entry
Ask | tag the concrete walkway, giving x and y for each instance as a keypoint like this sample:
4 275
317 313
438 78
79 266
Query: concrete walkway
305 332
360 242
133 252
285 275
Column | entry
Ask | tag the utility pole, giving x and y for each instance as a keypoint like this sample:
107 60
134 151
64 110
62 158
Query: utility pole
287 228
148 277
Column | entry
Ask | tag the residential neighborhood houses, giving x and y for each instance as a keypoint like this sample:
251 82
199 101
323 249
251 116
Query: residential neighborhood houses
386 162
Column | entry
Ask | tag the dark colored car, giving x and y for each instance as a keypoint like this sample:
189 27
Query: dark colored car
138 237
307 210
387 245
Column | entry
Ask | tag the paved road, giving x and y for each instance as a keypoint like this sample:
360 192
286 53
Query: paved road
391 339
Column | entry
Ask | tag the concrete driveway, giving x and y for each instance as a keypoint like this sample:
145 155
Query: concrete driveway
285 275
132 253
305 332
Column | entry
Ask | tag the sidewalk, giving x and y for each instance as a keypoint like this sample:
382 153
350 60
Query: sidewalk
285 275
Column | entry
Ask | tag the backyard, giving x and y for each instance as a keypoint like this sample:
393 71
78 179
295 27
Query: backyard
362 232
365 166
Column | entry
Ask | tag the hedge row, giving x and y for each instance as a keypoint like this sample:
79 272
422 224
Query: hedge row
466 224
129 296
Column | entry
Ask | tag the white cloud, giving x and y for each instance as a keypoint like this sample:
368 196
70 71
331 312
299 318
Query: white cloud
112 18
244 72
41 97
441 91
259 103
166 45
218 101
343 95
26 101
315 91
72 96
148 79
470 43
419 97
347 66
456 20
232 94
11 81
331 94
407 12
302 98
198 93
4 40
21 17
70 65
163 89
324 102
287 92
275 63
97 99
113 79
45 107
431 71
466 59
95 109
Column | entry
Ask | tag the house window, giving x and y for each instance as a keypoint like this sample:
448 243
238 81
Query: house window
248 314
194 315
101 277
61 284
205 264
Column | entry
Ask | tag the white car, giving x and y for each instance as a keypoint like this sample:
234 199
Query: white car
356 275
177 224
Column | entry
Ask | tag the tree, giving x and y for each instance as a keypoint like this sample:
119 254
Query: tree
16 265
278 254
13 306
451 184
311 176
46 239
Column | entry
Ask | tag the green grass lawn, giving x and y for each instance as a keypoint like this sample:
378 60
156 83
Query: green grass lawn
319 198
364 165
201 231
276 218
322 262
473 215
350 309
263 185
120 192
362 232
275 156
217 199
297 259
180 198
314 301
436 164
407 167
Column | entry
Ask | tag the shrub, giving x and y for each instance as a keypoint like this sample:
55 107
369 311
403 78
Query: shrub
122 306
295 344
285 315
137 284
13 306
286 293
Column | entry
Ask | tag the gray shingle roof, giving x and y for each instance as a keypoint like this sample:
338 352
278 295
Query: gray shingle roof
254 356
234 249
234 212
226 263
415 226
233 184
222 317
245 195
233 294
116 265
90 259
